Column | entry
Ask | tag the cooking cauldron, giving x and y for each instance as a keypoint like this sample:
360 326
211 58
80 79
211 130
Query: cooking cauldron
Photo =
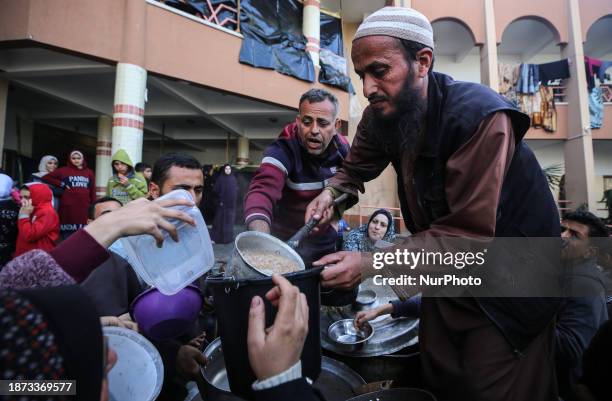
337 381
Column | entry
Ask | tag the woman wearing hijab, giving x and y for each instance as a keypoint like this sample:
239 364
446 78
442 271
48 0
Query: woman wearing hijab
226 190
79 186
54 334
38 224
380 227
48 164
9 210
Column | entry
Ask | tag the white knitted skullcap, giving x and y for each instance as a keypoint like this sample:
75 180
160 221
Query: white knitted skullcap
399 22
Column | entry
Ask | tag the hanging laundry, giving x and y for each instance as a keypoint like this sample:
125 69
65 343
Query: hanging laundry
549 113
596 108
508 75
605 64
592 67
553 71
606 93
529 79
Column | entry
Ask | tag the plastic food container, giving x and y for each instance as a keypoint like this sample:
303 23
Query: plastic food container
176 264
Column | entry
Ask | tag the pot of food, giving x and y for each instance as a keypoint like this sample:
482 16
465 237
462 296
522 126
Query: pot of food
232 300
259 255
337 382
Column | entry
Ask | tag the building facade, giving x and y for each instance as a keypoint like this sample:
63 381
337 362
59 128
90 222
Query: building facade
149 77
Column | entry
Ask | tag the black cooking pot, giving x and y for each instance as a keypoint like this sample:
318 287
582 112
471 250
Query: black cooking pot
232 300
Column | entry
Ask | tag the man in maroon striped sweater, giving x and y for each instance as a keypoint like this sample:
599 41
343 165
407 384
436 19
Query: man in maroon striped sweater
294 170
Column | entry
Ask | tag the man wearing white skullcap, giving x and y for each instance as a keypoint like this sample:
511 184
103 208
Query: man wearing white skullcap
462 171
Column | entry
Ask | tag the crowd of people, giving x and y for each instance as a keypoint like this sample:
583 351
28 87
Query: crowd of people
463 171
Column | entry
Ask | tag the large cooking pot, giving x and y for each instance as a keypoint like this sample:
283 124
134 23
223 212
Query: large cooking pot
232 300
391 353
337 382
396 394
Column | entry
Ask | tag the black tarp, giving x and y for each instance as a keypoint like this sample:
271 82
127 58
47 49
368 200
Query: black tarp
331 57
273 37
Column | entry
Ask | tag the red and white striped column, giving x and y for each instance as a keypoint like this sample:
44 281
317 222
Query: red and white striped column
103 154
128 113
311 28
131 82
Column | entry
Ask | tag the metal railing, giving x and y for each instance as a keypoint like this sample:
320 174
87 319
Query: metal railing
211 16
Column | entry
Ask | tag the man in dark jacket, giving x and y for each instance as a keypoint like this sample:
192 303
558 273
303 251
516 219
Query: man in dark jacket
463 171
585 310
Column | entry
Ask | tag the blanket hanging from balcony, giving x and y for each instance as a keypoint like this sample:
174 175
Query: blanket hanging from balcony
334 69
273 37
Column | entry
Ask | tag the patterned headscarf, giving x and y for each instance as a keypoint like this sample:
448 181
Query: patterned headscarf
51 333
358 239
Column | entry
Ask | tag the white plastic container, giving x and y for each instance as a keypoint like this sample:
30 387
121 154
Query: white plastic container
176 264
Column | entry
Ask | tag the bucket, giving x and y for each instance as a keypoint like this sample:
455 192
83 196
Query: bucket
232 299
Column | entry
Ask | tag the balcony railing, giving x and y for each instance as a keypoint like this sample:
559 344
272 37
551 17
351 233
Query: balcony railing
222 14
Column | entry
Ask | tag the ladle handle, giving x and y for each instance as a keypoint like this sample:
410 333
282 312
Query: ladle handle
303 232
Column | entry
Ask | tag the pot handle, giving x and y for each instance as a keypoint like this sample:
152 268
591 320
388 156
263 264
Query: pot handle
374 386
303 232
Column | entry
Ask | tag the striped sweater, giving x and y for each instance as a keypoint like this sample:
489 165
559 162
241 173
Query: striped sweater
288 179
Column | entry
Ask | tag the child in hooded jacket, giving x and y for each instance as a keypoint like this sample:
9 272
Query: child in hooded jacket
79 186
125 185
38 225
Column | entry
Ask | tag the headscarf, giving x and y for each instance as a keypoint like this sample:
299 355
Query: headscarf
42 166
358 239
51 333
6 185
33 269
82 157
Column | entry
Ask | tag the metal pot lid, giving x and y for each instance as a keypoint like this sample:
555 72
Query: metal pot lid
390 335
337 382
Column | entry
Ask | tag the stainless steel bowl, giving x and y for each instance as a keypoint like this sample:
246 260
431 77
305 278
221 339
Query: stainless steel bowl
366 297
347 336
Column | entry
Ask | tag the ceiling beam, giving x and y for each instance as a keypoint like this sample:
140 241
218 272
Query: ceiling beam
194 102
57 71
71 98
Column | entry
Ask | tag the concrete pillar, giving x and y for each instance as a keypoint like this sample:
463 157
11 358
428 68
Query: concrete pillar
242 159
103 154
130 83
488 52
4 84
311 28
579 164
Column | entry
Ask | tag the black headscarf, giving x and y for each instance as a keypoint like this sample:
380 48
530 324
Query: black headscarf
51 333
